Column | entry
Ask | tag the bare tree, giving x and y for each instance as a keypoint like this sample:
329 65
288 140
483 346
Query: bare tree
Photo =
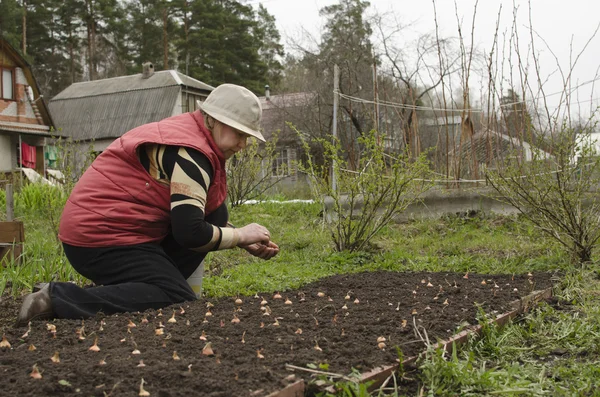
415 72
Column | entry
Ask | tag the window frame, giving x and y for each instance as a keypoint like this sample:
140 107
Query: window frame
277 171
14 85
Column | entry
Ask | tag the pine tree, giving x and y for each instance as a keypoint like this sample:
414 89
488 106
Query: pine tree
271 50
10 22
152 34
224 44
71 26
46 49
145 38
346 42
105 29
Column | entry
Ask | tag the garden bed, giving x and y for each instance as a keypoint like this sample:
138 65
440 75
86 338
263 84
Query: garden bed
336 321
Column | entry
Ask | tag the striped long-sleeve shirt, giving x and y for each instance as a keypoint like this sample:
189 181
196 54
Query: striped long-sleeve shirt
188 174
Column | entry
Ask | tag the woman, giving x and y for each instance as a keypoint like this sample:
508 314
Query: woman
144 215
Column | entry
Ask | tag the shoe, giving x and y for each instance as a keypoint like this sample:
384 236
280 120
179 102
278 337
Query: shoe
39 286
36 306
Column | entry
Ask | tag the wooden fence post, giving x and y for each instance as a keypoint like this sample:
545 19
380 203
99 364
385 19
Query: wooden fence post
10 203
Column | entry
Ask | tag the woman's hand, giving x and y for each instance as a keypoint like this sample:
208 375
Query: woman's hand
252 234
263 251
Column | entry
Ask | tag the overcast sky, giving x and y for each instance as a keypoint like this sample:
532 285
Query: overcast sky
558 22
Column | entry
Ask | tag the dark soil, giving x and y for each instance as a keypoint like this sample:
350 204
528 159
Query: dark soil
313 329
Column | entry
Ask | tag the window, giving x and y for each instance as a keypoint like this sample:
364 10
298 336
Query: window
280 166
7 84
191 105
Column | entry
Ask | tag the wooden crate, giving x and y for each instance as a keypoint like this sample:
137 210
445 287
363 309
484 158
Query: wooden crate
12 237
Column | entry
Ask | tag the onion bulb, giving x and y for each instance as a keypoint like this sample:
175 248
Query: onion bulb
143 393
5 343
55 358
172 319
95 347
35 373
207 350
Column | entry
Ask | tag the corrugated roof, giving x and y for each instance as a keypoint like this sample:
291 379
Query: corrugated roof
489 145
287 100
112 114
192 82
164 78
108 108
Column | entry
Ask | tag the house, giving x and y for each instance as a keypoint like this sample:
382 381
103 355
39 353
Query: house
491 149
589 141
278 112
434 131
94 113
25 122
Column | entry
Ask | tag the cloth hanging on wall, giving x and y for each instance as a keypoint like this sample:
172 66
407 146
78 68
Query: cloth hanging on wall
28 155
51 156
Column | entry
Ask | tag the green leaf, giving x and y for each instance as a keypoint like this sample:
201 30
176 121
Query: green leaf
324 367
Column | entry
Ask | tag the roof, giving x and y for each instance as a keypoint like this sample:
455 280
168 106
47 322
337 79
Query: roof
108 108
26 67
287 100
278 110
112 115
441 120
489 145
161 79
34 129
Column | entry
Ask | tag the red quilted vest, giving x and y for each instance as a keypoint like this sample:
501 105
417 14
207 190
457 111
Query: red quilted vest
116 202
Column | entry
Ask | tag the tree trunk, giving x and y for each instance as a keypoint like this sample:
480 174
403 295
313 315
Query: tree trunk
165 39
71 55
584 254
94 61
91 36
185 30
24 43
89 39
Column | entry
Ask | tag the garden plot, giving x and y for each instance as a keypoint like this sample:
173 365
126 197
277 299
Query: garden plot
239 346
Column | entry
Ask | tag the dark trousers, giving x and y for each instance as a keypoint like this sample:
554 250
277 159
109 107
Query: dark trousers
128 278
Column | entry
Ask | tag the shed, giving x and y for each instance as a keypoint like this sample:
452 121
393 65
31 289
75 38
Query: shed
94 113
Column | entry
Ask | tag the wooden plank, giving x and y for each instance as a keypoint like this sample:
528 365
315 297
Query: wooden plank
12 232
10 203
296 389
12 235
13 250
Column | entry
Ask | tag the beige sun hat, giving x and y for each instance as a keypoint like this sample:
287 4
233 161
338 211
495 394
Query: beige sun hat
235 106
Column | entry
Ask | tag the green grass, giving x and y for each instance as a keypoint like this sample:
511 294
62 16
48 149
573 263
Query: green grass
553 351
479 245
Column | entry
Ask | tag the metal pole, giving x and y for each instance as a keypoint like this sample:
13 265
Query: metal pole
45 175
376 97
20 165
336 90
10 203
